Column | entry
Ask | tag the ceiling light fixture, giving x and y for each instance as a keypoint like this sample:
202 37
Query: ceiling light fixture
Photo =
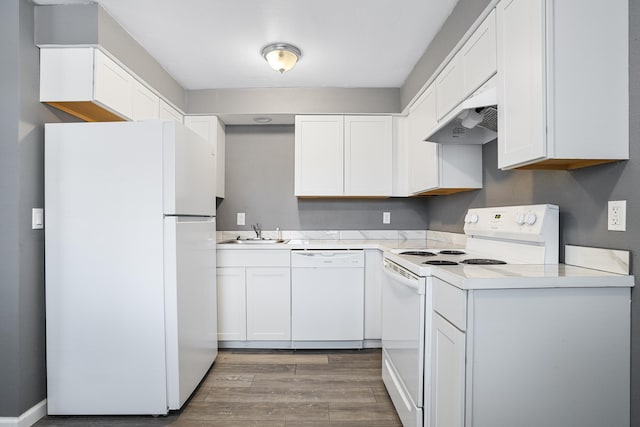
262 119
281 56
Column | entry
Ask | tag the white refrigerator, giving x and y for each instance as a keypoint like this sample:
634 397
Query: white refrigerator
130 266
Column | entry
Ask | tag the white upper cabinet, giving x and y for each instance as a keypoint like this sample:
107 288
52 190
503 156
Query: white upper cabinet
338 156
146 104
79 81
449 87
113 86
86 83
319 155
472 66
421 119
368 156
562 83
436 168
212 129
478 55
168 113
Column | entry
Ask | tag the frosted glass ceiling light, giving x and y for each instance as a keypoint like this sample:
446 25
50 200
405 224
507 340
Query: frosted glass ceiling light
281 56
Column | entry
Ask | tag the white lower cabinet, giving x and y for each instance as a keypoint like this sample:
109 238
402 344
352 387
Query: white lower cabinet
268 303
529 357
254 295
447 374
232 311
372 294
255 299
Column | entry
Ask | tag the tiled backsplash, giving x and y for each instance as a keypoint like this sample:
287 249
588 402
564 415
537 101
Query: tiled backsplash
399 236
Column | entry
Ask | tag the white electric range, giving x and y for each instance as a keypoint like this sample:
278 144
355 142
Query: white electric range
512 235
442 308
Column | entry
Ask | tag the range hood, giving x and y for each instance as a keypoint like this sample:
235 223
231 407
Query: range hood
474 121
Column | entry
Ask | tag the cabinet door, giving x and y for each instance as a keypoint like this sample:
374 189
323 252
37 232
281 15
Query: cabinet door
447 374
168 113
368 156
232 314
212 129
113 86
521 82
373 295
449 87
221 145
319 155
478 55
423 156
146 104
268 304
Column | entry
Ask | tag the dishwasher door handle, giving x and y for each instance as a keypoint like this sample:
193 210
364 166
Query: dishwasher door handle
414 284
323 254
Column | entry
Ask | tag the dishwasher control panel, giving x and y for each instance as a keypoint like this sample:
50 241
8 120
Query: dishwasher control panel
327 258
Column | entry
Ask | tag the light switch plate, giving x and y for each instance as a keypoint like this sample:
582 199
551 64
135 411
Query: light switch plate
240 219
37 218
617 215
386 217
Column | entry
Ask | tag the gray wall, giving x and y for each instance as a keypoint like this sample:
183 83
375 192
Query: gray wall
259 182
582 196
294 100
90 24
22 334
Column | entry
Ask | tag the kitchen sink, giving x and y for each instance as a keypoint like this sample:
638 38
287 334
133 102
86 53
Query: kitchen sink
253 241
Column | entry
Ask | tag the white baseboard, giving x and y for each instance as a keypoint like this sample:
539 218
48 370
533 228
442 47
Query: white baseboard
28 418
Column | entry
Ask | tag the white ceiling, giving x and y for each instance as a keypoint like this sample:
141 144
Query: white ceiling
208 44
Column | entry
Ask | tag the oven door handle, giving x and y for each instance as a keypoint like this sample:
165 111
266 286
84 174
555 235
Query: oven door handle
414 284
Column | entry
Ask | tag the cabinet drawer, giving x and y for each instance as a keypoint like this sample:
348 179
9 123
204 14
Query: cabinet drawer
451 303
253 258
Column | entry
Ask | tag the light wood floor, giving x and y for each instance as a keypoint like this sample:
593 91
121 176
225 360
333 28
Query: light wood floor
276 388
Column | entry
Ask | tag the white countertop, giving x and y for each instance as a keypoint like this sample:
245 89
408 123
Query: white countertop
529 276
467 277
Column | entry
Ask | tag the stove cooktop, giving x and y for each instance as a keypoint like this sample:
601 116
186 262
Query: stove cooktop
418 253
482 261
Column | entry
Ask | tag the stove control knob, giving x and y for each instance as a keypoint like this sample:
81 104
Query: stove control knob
520 219
466 219
530 218
473 218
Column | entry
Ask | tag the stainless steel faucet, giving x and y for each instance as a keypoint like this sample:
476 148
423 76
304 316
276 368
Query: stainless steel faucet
257 228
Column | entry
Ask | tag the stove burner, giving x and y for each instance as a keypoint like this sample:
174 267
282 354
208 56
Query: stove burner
440 262
481 261
452 252
418 253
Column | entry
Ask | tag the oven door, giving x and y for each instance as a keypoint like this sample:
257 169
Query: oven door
403 341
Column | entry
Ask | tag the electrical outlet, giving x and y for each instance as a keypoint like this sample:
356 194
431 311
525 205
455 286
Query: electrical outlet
386 217
240 218
617 215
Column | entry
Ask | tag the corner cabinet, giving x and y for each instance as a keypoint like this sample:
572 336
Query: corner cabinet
563 83
343 156
88 84
212 129
85 83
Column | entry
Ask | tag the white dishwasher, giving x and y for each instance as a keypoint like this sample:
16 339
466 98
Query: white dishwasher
327 298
